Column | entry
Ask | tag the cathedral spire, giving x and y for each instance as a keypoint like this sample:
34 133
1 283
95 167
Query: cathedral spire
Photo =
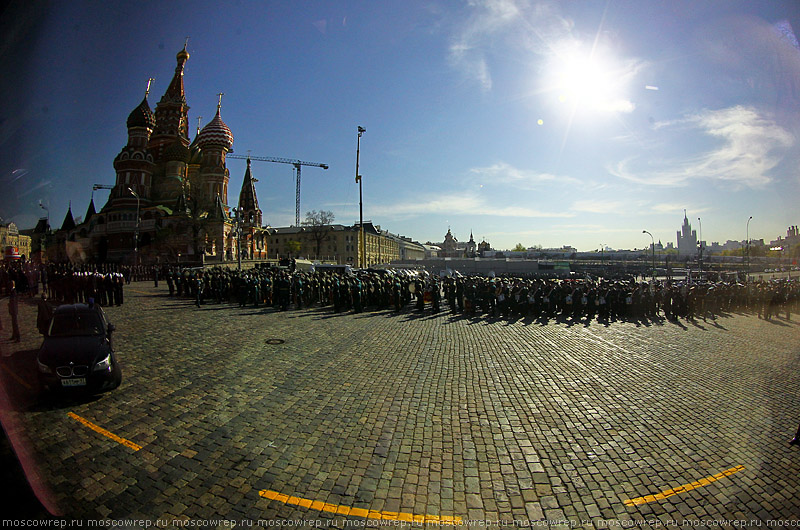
175 91
147 92
69 221
172 112
90 211
248 201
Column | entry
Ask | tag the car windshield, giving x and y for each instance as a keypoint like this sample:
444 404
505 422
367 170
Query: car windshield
80 324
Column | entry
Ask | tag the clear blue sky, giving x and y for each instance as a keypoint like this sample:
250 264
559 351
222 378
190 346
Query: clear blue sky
542 123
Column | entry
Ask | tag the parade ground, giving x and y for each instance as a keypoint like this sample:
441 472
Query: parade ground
251 416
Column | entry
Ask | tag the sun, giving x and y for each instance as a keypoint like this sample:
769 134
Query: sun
588 79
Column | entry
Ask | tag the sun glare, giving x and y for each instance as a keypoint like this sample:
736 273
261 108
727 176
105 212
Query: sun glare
589 81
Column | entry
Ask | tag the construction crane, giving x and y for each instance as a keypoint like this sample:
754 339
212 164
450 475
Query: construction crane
297 165
101 187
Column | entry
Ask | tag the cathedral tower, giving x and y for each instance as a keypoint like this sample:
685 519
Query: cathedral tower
134 164
248 201
172 113
215 141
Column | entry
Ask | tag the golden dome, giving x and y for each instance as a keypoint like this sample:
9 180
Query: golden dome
183 55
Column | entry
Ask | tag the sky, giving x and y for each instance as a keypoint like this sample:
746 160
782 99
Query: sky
577 123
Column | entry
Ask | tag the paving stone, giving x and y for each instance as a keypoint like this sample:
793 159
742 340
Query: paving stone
468 417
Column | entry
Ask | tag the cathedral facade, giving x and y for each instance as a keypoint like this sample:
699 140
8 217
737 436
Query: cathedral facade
170 198
453 248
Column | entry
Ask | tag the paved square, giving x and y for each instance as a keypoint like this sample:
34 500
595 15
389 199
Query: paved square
251 414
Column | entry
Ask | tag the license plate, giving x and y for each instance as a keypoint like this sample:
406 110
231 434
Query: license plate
75 381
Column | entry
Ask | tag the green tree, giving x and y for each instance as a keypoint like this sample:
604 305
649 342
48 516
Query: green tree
519 248
293 247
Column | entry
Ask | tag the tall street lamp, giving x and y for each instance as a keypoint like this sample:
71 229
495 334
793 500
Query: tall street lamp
43 238
136 230
362 259
237 217
654 251
47 210
747 274
701 248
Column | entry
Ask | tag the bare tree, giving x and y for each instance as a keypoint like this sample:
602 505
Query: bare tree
319 225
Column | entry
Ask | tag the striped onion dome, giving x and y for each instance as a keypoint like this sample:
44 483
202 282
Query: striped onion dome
215 134
142 116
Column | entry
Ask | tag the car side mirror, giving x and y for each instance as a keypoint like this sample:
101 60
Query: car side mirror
111 327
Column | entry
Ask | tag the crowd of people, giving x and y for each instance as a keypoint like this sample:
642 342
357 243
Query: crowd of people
507 297
63 283
68 283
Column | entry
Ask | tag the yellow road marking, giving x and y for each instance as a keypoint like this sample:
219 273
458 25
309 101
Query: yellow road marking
137 291
358 512
18 378
98 429
683 489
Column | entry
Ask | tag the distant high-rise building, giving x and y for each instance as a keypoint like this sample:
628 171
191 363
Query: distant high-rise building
687 238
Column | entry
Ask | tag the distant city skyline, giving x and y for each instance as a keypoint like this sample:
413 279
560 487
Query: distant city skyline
540 123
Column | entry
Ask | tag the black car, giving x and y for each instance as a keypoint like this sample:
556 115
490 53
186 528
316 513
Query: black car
78 351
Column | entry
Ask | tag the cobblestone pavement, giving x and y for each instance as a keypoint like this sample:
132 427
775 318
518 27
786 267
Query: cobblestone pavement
252 414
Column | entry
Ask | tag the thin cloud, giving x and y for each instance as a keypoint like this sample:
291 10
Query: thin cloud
751 146
467 51
599 206
678 208
465 204
507 174
515 22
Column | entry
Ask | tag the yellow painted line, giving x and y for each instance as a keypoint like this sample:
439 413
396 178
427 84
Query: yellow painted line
137 291
359 512
683 489
17 378
98 429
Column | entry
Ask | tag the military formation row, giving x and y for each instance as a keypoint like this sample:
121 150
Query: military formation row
71 283
508 296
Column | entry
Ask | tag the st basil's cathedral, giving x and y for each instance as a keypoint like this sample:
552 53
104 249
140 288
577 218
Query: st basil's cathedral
178 187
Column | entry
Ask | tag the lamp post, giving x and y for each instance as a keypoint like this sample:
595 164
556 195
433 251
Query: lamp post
747 273
237 217
361 130
43 238
136 230
700 262
654 251
47 210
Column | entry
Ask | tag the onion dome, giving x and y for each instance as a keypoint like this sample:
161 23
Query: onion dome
177 152
215 134
182 55
142 116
